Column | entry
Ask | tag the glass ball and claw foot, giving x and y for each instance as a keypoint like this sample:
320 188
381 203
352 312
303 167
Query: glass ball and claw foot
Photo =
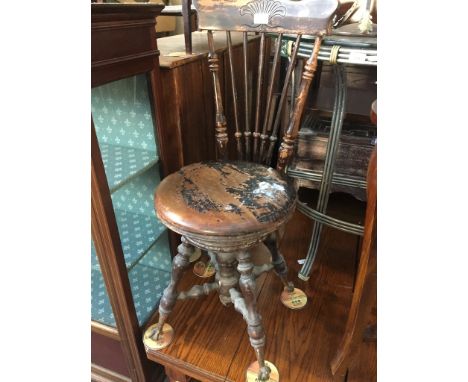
252 372
160 335
235 282
158 339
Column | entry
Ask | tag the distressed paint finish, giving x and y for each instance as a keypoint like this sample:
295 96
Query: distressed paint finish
225 199
300 16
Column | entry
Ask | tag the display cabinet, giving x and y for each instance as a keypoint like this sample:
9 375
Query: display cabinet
131 151
124 129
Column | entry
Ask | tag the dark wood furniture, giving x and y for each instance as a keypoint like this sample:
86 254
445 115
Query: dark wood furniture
357 141
229 208
188 92
365 290
211 343
123 44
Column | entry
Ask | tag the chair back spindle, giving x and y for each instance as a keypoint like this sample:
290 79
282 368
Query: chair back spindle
238 133
268 114
221 126
284 94
289 137
247 132
261 64
256 132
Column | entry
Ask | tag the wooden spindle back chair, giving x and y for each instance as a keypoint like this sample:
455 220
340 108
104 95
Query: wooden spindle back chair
227 208
267 18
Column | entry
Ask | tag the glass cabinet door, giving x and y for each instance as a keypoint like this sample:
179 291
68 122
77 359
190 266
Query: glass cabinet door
124 127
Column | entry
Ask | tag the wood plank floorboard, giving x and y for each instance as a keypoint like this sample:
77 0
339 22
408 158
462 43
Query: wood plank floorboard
364 366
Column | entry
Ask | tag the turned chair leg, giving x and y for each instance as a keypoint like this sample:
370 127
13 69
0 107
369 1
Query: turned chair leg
180 263
227 275
279 263
291 297
248 308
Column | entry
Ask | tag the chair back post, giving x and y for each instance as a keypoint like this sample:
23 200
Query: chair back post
221 126
287 145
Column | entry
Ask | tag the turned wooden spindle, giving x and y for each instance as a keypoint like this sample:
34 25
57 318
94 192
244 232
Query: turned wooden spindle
238 133
268 117
227 275
221 125
180 263
279 264
250 312
286 148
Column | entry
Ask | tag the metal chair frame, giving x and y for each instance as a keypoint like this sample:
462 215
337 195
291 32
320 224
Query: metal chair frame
368 57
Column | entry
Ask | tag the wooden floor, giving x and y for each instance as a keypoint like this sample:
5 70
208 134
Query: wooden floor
300 343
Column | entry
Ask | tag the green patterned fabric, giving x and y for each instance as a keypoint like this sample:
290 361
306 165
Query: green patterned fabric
122 163
159 255
147 285
137 195
124 128
122 114
137 233
134 211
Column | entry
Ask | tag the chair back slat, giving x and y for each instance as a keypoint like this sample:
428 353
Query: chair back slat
256 132
289 137
261 64
268 114
284 94
238 133
247 132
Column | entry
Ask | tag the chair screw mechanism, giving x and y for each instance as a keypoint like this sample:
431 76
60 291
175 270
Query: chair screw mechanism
232 208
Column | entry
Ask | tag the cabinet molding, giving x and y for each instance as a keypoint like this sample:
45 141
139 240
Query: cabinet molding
101 374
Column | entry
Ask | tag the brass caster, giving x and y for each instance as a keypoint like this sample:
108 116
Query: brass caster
195 255
164 340
296 299
204 270
252 372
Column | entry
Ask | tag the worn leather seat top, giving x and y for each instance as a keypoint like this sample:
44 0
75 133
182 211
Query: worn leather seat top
224 198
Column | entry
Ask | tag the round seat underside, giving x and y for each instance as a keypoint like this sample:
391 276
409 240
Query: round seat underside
224 199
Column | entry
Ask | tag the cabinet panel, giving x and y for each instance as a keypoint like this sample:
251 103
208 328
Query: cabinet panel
124 44
123 121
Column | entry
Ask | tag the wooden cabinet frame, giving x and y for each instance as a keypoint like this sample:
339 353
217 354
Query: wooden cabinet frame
123 44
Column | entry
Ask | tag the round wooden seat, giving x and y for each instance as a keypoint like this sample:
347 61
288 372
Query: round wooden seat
224 199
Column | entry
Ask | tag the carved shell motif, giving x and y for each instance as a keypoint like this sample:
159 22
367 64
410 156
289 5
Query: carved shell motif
263 12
